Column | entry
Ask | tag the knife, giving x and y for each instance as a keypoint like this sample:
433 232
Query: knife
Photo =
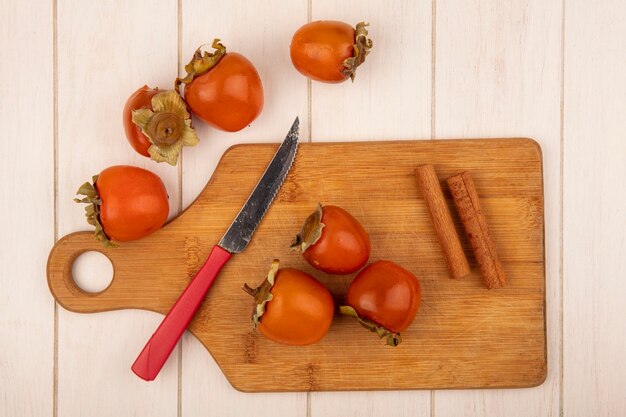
158 349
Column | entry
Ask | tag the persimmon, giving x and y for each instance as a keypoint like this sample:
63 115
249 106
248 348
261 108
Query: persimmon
329 51
291 307
124 203
157 124
333 241
385 298
222 88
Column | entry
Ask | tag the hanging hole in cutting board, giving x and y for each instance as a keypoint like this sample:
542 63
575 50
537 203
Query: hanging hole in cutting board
92 272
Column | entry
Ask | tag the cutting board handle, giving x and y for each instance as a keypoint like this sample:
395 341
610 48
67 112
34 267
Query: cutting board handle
64 288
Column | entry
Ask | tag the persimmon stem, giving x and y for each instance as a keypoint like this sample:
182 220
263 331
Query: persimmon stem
92 210
249 290
362 46
311 231
392 338
262 294
200 63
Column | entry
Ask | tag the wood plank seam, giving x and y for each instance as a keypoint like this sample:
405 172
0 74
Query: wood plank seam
561 225
309 96
433 67
179 66
55 151
433 103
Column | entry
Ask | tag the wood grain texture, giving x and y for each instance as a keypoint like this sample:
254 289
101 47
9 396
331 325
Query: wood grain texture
459 338
265 41
26 210
389 99
498 73
594 221
106 51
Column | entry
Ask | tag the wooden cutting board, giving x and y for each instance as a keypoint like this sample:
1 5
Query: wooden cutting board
464 336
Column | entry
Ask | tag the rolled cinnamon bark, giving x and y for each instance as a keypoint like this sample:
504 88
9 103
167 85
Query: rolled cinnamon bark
442 220
467 203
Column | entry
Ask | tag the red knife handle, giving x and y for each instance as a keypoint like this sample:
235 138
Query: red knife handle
158 349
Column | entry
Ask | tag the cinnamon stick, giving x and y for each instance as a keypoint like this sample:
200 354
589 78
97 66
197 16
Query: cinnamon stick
467 203
444 225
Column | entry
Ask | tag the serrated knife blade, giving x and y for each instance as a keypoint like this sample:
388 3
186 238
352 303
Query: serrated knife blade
242 228
158 349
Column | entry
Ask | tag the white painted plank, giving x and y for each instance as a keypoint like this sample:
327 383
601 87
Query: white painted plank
390 96
389 99
498 74
26 209
594 227
106 50
262 33
371 403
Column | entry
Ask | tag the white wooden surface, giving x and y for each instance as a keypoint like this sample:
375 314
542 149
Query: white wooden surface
594 210
27 335
552 70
